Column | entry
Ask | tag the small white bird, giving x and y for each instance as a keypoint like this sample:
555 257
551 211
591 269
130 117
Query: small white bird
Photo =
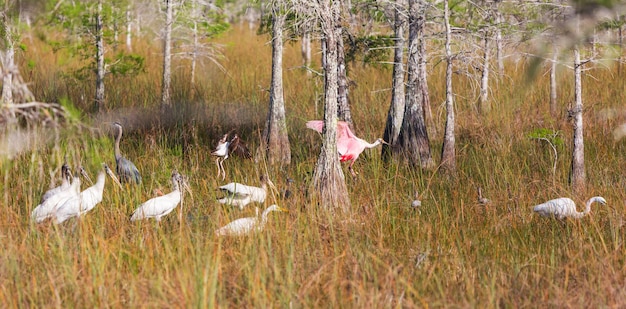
47 209
159 207
241 195
86 200
245 226
221 151
417 203
565 207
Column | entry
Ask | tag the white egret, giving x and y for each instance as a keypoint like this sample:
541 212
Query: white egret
159 207
66 175
245 226
47 209
417 203
86 200
221 151
565 207
241 195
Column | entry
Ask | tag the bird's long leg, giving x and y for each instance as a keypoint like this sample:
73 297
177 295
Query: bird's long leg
223 170
219 171
352 170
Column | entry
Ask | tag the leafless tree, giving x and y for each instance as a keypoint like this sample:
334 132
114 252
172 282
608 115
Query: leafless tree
167 53
396 108
413 142
275 142
448 153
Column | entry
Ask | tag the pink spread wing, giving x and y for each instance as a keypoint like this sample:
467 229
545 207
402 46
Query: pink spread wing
343 130
316 125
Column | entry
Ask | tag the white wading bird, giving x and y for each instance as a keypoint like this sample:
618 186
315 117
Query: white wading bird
159 207
86 200
349 146
565 207
245 226
66 174
241 195
47 209
221 151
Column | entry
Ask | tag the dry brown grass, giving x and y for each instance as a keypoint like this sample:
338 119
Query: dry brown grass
452 252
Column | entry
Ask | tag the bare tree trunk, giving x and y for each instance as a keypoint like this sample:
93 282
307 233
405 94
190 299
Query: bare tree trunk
8 65
448 152
577 179
483 103
342 79
167 54
423 77
100 71
413 142
194 56
499 51
306 50
553 94
396 109
328 179
275 143
129 30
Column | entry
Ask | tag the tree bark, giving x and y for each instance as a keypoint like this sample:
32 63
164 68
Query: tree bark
396 109
305 49
328 179
275 146
553 89
483 103
577 179
448 152
343 111
413 141
499 47
100 71
129 30
167 54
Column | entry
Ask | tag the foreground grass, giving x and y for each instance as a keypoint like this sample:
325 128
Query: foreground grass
450 253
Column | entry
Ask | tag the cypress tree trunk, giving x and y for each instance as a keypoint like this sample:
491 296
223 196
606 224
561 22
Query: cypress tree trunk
396 109
578 157
328 179
275 143
167 55
100 71
553 94
413 142
483 103
448 152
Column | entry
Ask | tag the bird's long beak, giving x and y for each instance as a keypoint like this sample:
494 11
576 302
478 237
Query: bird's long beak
283 209
84 173
384 142
113 177
185 185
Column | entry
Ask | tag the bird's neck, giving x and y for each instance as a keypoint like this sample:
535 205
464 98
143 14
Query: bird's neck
372 145
588 205
117 144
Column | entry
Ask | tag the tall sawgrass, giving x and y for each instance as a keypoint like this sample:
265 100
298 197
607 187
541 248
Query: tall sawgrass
452 252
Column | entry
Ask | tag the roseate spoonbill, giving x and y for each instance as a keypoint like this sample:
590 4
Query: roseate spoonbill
126 170
349 146
47 209
482 200
66 175
248 225
221 151
86 200
241 195
159 207
565 207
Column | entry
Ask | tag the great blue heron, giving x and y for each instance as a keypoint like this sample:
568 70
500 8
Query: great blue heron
349 146
241 195
244 226
565 207
66 175
47 209
159 207
126 170
86 200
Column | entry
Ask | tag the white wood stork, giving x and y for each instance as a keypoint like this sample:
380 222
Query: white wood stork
159 207
47 209
241 195
248 225
565 207
86 200
66 175
221 151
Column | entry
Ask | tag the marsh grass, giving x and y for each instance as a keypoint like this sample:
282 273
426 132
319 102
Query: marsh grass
452 252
